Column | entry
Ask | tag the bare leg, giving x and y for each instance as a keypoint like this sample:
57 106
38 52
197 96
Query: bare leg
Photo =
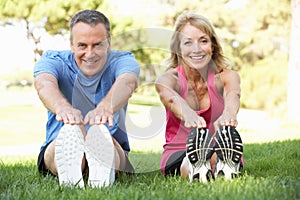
184 168
213 162
120 161
49 160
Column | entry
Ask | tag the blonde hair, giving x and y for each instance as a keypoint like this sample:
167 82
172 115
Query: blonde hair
218 59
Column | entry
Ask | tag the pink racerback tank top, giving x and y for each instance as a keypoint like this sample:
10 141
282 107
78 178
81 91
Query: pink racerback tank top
176 133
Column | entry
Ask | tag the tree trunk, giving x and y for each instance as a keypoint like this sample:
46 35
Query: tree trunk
293 96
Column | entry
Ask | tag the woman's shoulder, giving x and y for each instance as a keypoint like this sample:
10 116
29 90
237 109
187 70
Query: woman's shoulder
227 76
169 78
170 73
228 73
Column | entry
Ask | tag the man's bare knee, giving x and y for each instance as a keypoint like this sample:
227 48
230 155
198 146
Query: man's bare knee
120 161
49 158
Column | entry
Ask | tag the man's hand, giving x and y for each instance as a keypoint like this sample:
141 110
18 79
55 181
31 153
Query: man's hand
100 115
70 115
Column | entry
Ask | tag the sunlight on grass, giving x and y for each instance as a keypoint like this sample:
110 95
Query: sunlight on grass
23 118
9 160
271 167
271 172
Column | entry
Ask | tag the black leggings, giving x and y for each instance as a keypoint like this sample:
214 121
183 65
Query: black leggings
174 163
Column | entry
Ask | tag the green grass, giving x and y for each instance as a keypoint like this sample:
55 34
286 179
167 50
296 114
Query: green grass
271 168
271 172
22 124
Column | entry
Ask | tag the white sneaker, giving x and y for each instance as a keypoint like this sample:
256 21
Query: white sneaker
69 150
199 149
229 148
100 156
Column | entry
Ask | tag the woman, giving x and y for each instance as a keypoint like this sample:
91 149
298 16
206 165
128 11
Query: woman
201 96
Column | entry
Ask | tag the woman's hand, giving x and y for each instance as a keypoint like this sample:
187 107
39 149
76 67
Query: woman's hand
226 120
192 120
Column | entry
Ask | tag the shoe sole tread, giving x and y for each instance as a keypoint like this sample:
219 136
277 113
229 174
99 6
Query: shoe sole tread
229 149
199 150
69 151
100 156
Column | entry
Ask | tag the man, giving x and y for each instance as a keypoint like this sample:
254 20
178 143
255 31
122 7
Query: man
86 91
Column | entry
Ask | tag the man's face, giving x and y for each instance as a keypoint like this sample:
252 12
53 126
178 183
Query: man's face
90 47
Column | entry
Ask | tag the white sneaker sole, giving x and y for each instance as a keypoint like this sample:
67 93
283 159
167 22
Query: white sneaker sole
100 156
200 172
69 151
199 149
229 148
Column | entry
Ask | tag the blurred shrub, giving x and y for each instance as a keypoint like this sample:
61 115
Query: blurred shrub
19 79
264 85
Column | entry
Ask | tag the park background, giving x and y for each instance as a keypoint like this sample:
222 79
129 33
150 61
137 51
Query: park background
261 38
255 36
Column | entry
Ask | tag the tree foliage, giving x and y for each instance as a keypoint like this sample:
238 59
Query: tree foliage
254 34
49 15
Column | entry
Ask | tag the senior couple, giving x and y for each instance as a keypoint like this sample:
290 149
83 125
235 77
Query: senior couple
86 90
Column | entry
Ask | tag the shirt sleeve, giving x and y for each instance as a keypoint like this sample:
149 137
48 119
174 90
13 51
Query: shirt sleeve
49 62
126 63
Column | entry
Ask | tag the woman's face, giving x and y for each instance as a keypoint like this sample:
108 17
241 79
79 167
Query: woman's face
196 47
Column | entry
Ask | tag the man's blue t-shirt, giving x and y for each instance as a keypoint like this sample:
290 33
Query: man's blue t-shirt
85 93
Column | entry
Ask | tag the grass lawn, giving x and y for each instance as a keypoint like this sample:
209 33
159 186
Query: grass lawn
271 172
271 167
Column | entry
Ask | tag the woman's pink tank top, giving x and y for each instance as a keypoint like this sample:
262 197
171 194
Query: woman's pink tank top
176 133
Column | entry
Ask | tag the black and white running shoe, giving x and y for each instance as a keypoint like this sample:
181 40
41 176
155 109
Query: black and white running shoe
199 149
229 148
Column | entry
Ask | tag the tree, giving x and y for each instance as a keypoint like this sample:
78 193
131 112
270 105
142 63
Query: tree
293 99
43 15
253 33
53 17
